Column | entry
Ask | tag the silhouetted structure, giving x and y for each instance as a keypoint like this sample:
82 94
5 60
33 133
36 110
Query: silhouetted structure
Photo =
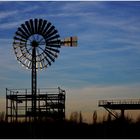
36 45
50 103
111 105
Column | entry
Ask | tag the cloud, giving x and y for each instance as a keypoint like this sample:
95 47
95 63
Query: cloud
67 14
17 16
81 5
108 91
6 14
10 25
30 9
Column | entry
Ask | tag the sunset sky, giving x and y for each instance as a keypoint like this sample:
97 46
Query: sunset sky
106 63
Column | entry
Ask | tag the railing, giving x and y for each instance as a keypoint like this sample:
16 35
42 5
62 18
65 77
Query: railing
27 91
115 102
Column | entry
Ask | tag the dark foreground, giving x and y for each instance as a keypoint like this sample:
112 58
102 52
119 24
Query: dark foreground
67 129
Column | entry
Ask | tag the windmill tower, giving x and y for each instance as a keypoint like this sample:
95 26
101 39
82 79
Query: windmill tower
36 45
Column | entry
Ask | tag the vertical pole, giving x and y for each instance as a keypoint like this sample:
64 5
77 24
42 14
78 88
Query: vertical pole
26 105
16 111
11 108
6 105
39 100
16 108
63 107
122 113
34 82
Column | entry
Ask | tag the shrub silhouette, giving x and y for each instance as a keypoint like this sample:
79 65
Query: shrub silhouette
68 129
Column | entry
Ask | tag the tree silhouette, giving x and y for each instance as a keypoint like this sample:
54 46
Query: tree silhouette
74 117
2 116
94 117
80 117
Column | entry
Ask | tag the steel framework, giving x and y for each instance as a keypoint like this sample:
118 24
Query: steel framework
50 103
125 104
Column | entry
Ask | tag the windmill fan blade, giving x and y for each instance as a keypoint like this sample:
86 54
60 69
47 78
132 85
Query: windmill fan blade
22 61
54 55
51 58
42 56
29 28
38 58
26 55
50 30
21 57
53 42
20 30
43 64
21 35
29 56
32 25
23 50
25 29
55 46
28 63
22 40
48 61
46 28
19 44
51 34
52 49
36 25
43 26
40 25
53 37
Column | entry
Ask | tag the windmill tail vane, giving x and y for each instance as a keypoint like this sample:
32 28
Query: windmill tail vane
69 41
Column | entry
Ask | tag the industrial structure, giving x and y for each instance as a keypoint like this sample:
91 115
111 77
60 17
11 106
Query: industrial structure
36 45
125 104
50 103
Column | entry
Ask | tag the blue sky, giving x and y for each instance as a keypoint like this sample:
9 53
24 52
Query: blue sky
106 63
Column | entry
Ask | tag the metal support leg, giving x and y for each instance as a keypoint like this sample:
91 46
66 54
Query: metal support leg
113 114
122 113
34 82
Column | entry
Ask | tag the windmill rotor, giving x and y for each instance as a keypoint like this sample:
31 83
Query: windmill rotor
40 34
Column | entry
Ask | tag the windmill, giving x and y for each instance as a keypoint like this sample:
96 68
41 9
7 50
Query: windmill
36 45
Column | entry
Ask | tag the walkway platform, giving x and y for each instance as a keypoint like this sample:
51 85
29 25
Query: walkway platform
123 104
